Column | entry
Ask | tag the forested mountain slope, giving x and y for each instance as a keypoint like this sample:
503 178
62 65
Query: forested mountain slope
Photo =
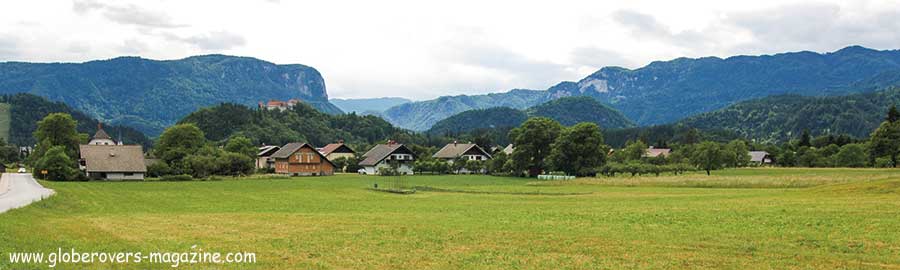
150 94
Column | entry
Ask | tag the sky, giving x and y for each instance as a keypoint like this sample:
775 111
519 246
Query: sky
425 49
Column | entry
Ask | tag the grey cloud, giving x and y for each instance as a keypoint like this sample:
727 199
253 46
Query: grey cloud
217 40
126 14
807 26
597 58
530 72
640 23
648 27
817 26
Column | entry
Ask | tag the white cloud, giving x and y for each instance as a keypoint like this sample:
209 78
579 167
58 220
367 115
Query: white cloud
126 14
212 41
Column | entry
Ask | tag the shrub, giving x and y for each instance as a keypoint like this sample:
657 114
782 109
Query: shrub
177 177
158 169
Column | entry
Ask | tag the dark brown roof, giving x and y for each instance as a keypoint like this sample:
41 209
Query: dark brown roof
288 149
113 158
331 147
267 150
455 150
381 151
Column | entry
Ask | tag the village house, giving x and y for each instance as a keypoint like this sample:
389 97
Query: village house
264 158
103 158
466 151
279 105
653 152
509 149
301 159
760 158
384 156
101 138
337 150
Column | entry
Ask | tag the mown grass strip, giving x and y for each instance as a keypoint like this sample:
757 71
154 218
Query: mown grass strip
434 189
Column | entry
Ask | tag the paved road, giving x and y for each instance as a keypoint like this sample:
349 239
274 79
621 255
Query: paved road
20 189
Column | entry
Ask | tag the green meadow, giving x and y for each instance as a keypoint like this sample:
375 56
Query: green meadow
734 219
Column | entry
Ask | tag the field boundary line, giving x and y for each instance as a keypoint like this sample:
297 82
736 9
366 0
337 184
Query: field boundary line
434 189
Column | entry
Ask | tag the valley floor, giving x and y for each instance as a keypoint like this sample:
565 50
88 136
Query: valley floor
735 219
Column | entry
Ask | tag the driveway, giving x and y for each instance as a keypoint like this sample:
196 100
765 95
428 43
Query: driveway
20 189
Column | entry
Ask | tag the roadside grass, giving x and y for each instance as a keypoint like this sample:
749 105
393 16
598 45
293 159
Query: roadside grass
842 218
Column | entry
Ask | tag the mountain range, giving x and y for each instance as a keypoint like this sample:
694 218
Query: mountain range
150 95
667 91
368 106
568 111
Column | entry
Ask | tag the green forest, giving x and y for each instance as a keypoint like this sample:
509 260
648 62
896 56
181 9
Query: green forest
25 110
780 118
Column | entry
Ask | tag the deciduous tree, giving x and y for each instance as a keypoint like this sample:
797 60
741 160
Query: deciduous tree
709 156
578 150
532 141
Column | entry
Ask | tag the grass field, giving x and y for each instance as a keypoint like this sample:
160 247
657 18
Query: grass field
5 121
735 219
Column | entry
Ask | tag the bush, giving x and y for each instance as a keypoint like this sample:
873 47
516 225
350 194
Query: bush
158 169
58 165
177 177
388 171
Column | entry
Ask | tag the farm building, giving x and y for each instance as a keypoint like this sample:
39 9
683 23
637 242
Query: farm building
655 152
101 138
301 159
264 156
509 149
466 151
104 158
385 155
112 162
760 158
337 150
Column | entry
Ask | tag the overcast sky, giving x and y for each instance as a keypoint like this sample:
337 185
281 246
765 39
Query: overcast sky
424 49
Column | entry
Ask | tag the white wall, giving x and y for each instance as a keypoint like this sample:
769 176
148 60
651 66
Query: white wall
122 176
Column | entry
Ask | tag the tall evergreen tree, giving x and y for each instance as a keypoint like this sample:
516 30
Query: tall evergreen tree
805 139
892 115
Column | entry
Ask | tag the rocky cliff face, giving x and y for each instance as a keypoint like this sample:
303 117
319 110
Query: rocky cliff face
150 94
666 91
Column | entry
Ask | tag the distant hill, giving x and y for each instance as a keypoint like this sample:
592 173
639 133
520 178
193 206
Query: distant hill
568 111
422 115
301 123
667 91
150 94
573 110
780 118
368 105
26 110
497 117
